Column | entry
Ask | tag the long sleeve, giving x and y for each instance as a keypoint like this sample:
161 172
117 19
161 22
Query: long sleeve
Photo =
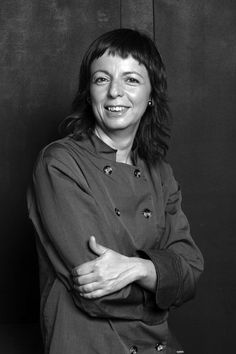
65 215
178 261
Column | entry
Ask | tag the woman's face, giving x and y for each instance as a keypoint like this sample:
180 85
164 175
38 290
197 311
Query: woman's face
119 91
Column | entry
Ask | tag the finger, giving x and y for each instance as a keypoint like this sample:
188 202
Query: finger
85 279
88 288
83 269
96 247
94 295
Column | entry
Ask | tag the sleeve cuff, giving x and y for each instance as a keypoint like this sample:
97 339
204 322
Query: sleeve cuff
168 276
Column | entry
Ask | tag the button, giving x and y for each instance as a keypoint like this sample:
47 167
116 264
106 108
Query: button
147 213
137 173
160 347
117 211
133 349
107 170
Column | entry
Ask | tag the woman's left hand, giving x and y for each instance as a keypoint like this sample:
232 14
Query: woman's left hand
106 274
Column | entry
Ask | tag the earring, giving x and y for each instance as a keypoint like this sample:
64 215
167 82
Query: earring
150 103
89 100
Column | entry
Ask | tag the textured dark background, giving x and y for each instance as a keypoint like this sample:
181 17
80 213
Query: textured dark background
41 45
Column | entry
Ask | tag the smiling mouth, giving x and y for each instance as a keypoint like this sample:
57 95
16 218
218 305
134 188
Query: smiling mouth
118 109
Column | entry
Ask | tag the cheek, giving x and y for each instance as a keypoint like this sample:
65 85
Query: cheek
141 100
143 94
97 107
98 93
96 104
95 96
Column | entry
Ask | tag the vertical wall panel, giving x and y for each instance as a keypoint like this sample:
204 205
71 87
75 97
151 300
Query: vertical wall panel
137 14
198 43
41 45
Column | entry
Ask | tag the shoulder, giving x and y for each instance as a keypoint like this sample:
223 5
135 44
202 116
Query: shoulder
65 151
59 155
58 163
57 149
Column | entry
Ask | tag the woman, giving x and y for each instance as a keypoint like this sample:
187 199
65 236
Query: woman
114 246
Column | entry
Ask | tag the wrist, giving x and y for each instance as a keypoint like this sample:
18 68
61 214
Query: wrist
140 268
145 274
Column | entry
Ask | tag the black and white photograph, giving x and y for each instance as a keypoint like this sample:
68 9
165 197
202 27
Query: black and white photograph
118 176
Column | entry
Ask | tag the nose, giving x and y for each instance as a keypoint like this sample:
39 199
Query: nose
115 89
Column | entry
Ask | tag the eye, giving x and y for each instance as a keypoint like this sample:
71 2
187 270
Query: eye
132 80
100 80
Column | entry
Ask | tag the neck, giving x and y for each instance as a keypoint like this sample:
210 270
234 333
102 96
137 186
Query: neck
121 142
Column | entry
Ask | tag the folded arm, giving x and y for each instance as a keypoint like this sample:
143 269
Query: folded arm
111 272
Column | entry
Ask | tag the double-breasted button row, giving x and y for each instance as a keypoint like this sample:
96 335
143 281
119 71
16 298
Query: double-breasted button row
137 173
146 213
159 348
108 171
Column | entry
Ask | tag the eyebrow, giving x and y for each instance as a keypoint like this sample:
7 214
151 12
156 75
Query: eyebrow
124 74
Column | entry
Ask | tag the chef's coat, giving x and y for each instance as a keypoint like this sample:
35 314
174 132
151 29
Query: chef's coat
80 190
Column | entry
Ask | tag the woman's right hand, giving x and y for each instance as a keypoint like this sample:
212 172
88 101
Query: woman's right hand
108 273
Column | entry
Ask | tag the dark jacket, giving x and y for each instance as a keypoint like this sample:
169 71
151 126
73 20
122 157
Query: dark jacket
80 190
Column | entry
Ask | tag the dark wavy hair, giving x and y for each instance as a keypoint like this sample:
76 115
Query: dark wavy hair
152 137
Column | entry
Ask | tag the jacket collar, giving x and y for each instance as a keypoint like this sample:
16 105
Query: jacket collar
97 146
102 148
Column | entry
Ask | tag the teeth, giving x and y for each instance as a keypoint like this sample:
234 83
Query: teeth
115 109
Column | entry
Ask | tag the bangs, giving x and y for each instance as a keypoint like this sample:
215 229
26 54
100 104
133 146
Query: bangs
123 43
